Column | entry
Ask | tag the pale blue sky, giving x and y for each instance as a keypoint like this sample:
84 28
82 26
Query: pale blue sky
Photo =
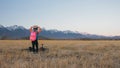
92 16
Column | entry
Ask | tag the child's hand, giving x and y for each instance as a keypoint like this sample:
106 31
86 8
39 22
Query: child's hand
31 27
35 26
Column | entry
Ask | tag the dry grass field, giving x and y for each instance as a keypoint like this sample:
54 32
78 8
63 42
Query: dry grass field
61 54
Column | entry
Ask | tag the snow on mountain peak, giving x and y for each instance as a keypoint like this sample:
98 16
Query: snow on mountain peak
14 27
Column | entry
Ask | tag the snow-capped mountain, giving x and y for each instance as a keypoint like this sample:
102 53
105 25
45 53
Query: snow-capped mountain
18 32
14 27
13 32
67 31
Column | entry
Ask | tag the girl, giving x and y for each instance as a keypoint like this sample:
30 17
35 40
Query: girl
35 30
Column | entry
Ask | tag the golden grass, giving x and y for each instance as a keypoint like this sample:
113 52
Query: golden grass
61 54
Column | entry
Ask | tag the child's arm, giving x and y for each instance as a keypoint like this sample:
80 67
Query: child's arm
39 29
31 29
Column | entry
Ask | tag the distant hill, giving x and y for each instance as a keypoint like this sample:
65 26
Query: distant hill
19 32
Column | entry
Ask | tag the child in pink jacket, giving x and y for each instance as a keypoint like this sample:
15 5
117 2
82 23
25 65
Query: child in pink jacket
35 30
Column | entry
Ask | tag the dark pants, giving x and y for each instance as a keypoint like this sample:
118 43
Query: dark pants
35 46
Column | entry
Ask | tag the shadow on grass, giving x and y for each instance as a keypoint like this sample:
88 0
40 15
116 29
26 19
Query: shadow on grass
40 49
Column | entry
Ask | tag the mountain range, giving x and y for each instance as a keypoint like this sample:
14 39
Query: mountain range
20 32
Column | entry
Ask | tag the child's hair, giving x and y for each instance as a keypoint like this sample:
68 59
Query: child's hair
35 29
